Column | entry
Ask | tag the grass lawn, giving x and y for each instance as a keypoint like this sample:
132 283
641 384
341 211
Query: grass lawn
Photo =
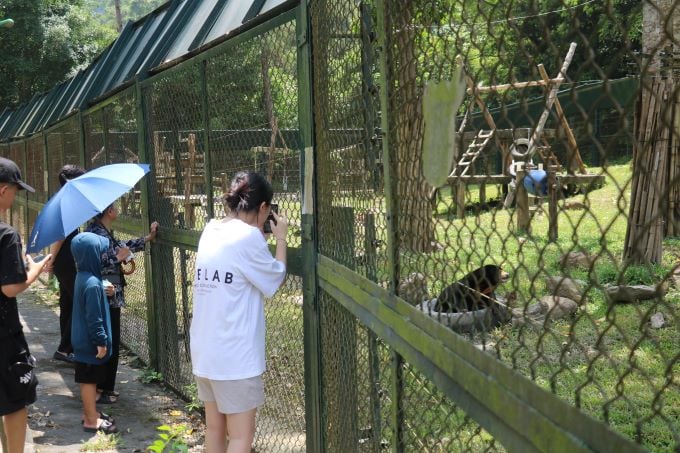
606 359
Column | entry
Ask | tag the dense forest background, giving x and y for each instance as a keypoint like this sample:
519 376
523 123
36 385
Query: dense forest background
53 39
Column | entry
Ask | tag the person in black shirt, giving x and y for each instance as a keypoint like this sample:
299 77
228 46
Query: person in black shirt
64 269
14 278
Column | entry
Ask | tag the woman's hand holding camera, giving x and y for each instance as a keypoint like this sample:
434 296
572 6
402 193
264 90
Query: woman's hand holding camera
280 227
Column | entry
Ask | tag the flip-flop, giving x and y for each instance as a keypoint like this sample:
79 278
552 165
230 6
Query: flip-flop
103 416
105 427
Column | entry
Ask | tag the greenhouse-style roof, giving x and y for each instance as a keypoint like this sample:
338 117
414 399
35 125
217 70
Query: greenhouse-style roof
167 34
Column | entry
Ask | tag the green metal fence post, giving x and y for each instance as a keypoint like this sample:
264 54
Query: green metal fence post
384 57
151 317
312 339
207 155
81 130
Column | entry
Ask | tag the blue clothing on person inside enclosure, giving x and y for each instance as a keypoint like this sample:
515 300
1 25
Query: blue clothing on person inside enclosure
91 321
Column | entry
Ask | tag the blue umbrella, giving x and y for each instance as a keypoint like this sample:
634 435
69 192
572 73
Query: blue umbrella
81 199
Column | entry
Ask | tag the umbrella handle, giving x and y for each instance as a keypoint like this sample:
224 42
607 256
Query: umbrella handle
130 269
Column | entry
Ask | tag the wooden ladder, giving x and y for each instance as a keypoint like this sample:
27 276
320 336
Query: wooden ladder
472 152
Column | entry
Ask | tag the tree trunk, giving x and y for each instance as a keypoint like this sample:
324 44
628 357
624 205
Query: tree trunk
653 155
415 224
119 16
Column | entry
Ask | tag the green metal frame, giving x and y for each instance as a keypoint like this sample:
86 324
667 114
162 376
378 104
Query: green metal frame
523 416
311 316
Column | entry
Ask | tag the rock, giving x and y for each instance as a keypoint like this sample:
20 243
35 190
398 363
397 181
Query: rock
580 259
533 314
657 321
413 288
534 309
632 293
558 307
565 287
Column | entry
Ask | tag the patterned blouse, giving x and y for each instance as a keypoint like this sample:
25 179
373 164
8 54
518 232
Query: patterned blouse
111 267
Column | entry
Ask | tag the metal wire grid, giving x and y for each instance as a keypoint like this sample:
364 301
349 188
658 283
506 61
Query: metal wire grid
593 358
281 421
253 117
135 314
176 146
589 358
111 137
63 147
35 168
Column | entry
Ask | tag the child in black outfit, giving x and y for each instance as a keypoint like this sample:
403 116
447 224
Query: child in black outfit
17 380
91 328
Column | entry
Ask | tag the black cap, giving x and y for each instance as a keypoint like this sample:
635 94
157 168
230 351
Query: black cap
9 172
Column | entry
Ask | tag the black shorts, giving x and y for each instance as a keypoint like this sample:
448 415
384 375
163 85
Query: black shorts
11 349
87 373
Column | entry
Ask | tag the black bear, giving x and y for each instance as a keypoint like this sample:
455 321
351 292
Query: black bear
475 291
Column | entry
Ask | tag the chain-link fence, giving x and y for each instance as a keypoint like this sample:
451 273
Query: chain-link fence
513 225
494 227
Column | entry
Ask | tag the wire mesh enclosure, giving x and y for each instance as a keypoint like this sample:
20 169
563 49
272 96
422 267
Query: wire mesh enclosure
483 201
494 165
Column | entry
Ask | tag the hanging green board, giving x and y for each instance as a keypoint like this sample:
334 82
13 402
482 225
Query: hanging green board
441 100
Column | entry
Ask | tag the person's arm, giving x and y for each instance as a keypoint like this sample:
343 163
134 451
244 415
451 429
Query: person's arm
54 251
280 232
137 245
34 270
94 301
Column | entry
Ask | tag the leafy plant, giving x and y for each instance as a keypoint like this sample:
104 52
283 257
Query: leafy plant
171 439
194 403
149 376
103 442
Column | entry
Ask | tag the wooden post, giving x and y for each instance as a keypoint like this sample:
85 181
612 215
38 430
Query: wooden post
522 201
460 200
553 195
552 95
574 154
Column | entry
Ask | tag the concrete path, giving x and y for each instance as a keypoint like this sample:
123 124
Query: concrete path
54 420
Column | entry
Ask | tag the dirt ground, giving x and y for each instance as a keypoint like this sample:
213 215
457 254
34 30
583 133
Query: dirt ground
54 420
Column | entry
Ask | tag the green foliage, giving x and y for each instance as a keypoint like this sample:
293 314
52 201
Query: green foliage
150 376
52 39
194 403
103 442
170 439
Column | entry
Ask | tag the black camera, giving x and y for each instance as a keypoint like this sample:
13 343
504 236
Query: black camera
267 225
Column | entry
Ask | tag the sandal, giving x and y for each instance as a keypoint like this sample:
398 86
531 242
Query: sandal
103 416
106 427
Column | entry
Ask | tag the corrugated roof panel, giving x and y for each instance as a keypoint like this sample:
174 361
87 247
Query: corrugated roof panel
231 17
270 4
191 29
145 43
175 17
166 34
112 75
35 109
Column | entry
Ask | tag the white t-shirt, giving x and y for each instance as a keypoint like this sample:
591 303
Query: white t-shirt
234 272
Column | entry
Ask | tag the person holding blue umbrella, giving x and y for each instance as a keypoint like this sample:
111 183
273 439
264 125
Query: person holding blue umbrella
113 258
64 269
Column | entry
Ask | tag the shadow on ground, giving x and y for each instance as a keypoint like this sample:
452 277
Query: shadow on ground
54 420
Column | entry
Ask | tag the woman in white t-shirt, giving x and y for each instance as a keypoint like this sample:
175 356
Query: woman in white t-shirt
235 271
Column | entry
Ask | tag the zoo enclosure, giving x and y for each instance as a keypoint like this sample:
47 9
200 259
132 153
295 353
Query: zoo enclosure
380 372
